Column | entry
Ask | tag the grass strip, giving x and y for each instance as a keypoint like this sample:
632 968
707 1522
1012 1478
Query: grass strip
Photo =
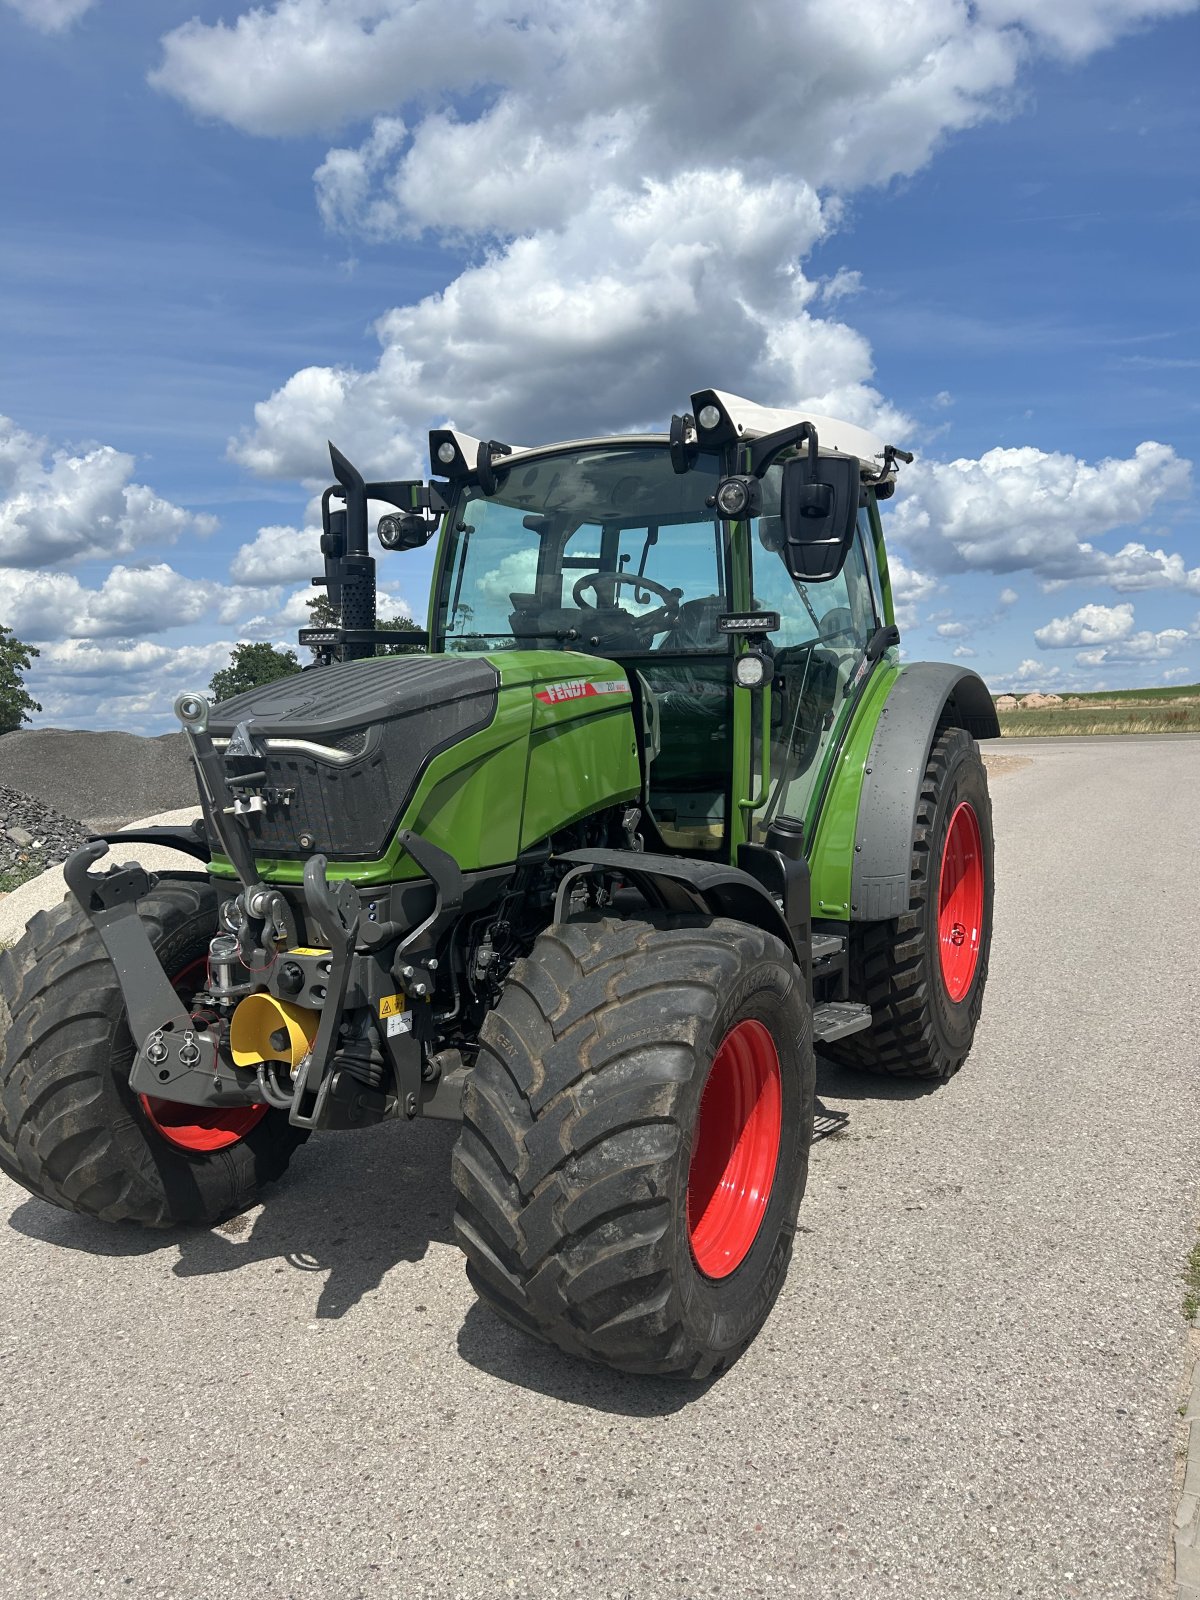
1066 721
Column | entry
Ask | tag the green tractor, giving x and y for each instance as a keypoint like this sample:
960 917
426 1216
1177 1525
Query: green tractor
655 810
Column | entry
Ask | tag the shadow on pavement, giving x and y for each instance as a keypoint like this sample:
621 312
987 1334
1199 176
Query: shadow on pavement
504 1352
842 1083
352 1206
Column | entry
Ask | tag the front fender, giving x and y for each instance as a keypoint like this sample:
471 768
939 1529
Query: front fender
766 889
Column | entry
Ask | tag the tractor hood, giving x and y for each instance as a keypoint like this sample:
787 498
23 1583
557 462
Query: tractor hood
343 746
483 755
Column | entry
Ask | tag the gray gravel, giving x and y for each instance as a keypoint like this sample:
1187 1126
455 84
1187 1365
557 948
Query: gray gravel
967 1389
48 888
34 835
104 779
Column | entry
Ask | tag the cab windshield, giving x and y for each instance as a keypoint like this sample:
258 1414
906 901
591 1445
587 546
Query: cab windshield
603 549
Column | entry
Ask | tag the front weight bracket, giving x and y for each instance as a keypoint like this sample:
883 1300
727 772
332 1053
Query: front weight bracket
172 1055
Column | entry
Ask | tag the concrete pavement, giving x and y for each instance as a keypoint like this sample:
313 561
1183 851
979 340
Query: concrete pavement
969 1387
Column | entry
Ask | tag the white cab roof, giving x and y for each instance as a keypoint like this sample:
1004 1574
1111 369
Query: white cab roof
750 420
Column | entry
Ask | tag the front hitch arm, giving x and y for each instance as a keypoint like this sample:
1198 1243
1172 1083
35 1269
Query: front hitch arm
337 907
172 1058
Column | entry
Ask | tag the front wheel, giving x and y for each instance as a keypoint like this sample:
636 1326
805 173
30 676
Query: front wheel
71 1130
635 1141
923 974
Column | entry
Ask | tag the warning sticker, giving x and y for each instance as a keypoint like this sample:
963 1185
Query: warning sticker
580 689
400 1024
308 950
391 1005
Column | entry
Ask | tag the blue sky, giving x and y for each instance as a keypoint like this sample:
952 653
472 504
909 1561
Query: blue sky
977 231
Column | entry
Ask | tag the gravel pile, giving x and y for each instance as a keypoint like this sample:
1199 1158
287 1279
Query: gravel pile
104 779
33 835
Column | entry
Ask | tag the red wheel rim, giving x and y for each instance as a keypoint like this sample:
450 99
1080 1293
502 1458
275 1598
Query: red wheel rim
960 902
736 1149
196 1128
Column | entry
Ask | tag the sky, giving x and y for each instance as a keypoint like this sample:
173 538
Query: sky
232 232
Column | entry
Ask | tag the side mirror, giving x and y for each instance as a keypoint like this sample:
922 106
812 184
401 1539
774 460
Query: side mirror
818 511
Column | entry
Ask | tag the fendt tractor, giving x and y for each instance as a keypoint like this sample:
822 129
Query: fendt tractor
654 809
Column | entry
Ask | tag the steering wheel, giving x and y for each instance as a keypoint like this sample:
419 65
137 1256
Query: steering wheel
646 626
837 630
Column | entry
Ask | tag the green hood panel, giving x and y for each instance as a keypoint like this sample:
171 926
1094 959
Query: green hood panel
560 745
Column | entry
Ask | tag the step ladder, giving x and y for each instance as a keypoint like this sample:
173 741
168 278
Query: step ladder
834 1019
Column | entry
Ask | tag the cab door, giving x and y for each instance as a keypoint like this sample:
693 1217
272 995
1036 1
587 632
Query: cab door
819 663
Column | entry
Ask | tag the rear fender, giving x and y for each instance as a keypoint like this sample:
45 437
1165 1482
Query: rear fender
927 696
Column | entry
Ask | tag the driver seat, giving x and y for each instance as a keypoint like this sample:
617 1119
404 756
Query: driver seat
696 628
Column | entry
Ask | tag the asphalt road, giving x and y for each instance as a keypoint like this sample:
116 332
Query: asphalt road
968 1387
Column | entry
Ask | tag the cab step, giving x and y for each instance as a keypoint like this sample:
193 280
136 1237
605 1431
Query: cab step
834 1019
827 945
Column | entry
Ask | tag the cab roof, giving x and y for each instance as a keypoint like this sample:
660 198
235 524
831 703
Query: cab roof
740 419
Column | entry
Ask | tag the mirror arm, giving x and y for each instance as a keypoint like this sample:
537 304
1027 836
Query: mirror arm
763 451
882 639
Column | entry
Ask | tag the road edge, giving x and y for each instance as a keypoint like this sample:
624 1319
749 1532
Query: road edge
1184 1562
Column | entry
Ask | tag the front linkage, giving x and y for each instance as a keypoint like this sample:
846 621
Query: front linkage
329 990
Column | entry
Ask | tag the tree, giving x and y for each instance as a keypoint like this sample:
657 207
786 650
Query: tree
16 702
399 625
322 613
250 665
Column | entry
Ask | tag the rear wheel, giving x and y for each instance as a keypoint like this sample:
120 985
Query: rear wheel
635 1141
71 1130
923 974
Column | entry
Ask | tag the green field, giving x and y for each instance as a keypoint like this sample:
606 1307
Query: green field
1177 691
1171 710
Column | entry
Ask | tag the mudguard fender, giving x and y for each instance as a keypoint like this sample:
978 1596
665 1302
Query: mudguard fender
925 695
766 889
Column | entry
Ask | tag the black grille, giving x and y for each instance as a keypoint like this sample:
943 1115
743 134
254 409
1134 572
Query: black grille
352 809
352 743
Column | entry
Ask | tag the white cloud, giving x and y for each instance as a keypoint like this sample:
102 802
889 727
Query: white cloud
1092 624
910 590
953 630
638 181
1027 510
1139 647
345 179
587 328
1075 28
85 658
1009 597
278 555
130 601
964 652
123 683
60 507
1134 567
1033 671
50 16
840 90
844 282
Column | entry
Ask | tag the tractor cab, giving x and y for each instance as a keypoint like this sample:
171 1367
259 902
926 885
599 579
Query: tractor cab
607 547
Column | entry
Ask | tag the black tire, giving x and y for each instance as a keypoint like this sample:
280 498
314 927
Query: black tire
917 1029
71 1130
579 1120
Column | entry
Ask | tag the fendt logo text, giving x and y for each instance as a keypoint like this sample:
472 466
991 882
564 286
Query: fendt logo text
579 689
